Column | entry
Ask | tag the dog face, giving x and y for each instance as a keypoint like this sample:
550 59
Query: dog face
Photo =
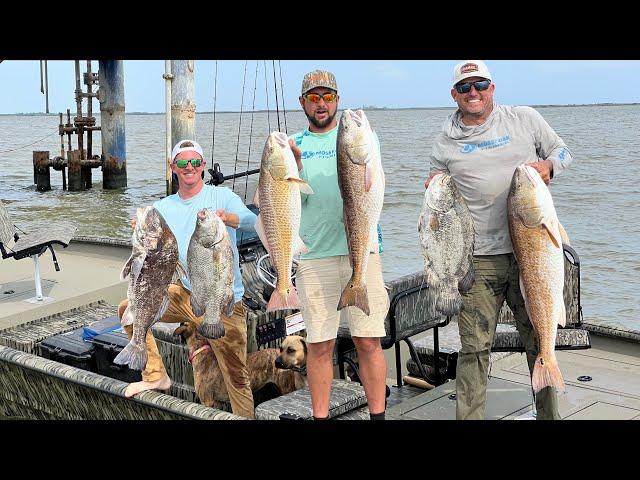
186 330
293 353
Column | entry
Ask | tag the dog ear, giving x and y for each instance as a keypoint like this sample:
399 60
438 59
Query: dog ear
304 346
180 330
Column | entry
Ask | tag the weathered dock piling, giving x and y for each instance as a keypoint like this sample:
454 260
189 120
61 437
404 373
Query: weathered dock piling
111 96
183 107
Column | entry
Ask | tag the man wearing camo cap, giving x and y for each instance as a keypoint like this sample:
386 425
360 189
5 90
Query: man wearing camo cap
324 271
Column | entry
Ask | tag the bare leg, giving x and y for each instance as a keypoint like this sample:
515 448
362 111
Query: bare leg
320 375
373 371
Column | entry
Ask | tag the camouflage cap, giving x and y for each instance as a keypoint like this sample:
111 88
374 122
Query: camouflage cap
319 78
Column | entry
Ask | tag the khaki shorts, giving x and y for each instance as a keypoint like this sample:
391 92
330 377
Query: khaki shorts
320 282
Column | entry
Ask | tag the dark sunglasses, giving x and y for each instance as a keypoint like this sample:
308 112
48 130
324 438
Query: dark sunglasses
195 162
315 97
466 87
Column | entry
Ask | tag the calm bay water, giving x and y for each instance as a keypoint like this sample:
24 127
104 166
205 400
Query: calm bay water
597 199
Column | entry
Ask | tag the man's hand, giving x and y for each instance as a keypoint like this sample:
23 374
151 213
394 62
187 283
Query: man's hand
545 169
428 180
229 219
134 221
296 153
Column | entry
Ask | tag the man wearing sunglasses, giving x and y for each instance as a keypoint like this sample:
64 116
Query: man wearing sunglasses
480 146
324 271
180 212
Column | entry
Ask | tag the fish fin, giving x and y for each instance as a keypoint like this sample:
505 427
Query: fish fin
212 330
304 186
546 373
430 275
163 308
524 297
434 223
127 316
449 302
179 273
126 269
132 355
228 304
262 234
562 316
355 295
369 176
563 234
554 234
283 301
256 198
374 245
300 247
467 281
196 306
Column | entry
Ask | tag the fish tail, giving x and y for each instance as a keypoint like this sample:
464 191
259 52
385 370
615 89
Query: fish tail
449 302
546 373
284 299
132 355
212 330
354 295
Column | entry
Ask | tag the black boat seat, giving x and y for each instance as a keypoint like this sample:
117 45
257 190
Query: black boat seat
410 312
32 244
507 339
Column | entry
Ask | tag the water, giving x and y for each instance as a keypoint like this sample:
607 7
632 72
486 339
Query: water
597 199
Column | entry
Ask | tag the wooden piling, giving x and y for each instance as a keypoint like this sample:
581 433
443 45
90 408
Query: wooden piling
111 96
183 107
75 182
41 170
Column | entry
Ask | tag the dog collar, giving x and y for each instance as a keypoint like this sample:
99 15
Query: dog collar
302 371
199 350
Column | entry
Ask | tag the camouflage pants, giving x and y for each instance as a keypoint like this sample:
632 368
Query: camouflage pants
230 350
497 279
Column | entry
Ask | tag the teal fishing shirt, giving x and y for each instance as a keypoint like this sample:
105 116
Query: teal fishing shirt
321 226
181 217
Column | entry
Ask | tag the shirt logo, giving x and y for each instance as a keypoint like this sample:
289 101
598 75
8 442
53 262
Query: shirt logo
318 154
486 144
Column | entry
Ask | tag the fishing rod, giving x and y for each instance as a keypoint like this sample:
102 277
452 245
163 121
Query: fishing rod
217 177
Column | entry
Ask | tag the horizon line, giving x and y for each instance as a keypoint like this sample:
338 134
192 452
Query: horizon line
364 107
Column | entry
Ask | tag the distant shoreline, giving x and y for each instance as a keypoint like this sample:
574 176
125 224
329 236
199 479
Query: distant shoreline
365 107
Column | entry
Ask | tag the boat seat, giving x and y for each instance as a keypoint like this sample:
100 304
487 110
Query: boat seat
507 339
32 244
345 397
411 311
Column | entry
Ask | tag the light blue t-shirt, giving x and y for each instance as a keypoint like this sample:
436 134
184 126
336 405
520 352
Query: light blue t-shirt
181 217
321 226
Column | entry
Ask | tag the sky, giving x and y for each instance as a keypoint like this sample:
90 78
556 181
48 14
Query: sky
371 83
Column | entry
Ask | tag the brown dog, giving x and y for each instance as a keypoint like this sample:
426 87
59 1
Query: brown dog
207 376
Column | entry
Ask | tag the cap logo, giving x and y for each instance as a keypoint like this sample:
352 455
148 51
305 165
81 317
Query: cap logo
468 67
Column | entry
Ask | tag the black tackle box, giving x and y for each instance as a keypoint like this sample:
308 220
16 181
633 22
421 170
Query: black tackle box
69 348
107 347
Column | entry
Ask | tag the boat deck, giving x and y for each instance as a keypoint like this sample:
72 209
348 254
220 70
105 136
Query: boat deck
612 394
86 275
90 273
